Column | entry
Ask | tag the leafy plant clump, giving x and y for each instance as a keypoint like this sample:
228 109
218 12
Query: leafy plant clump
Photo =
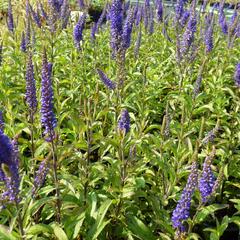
126 127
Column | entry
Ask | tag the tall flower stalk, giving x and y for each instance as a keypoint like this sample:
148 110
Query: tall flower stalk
237 75
89 113
208 35
78 31
120 38
123 129
107 82
182 210
31 96
10 22
40 176
23 46
207 180
49 122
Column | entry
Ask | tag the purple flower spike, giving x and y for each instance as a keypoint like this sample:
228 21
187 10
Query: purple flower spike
197 86
55 4
211 135
182 210
48 118
64 9
151 21
138 43
9 168
101 18
159 11
42 11
110 84
40 176
139 16
179 10
184 18
237 75
222 22
127 29
188 36
93 31
78 30
28 33
35 16
116 18
146 16
124 122
65 13
10 22
27 9
147 3
31 97
208 36
126 6
81 3
207 180
23 46
66 19
5 149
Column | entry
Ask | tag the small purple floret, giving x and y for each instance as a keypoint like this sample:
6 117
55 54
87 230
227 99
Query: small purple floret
110 84
237 75
124 122
182 210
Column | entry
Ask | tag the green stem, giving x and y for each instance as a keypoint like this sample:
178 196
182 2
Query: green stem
20 221
89 145
56 183
123 174
32 134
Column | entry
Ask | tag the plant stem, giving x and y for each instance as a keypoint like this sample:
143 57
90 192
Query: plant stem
32 134
55 167
123 174
89 145
20 222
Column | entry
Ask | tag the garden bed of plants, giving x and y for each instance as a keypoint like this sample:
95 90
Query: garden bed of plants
125 127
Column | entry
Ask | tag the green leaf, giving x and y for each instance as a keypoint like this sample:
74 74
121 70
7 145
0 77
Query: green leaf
236 220
39 203
214 236
193 236
39 228
201 215
100 224
223 226
139 229
59 233
5 234
79 222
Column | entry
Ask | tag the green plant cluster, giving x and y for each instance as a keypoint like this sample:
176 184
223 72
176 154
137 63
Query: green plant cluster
116 186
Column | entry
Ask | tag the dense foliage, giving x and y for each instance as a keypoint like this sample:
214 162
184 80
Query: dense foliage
123 128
